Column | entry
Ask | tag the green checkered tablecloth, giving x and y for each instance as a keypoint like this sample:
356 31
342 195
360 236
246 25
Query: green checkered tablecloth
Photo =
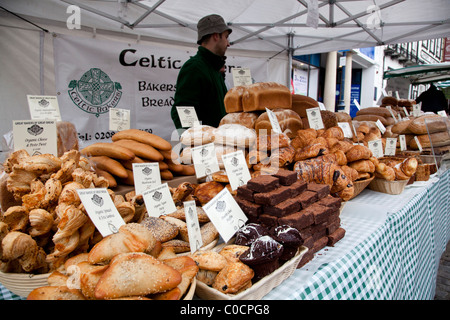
399 260
391 249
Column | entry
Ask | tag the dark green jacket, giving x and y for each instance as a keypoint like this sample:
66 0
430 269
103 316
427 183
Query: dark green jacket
201 85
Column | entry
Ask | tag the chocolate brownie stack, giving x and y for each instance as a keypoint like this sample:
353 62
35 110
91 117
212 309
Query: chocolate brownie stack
282 199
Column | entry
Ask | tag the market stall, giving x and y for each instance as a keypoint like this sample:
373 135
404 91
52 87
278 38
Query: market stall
282 200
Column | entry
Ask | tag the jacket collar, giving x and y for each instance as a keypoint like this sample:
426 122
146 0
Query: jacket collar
215 60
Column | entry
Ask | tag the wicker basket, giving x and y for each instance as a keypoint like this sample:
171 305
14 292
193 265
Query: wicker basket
260 288
22 284
389 187
359 186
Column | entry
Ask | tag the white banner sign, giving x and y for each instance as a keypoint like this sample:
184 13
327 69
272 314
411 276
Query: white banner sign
94 76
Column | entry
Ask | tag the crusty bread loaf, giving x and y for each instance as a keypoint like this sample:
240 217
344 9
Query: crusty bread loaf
197 135
289 121
379 111
371 117
262 95
246 119
438 139
233 99
401 127
434 122
108 164
343 116
234 135
301 102
389 100
109 150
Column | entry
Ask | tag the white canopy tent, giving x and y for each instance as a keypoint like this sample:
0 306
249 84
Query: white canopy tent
422 74
294 26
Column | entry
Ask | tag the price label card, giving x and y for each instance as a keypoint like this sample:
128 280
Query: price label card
442 113
392 114
146 176
188 116
236 168
322 106
158 201
416 110
241 76
381 126
225 214
391 144
314 118
397 95
119 119
418 143
274 121
101 210
205 160
376 146
402 138
35 136
193 226
43 107
345 126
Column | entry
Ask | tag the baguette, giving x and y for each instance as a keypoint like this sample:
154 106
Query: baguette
109 150
108 164
140 149
143 137
166 175
112 183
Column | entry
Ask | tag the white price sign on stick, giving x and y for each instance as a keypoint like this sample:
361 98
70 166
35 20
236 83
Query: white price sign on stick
159 201
236 168
314 118
101 209
193 226
205 160
225 214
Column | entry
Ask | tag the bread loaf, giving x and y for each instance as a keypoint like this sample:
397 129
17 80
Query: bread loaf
233 99
109 150
301 102
110 165
438 139
197 135
140 149
371 117
289 121
234 135
67 137
262 95
434 122
379 111
144 137
389 101
247 119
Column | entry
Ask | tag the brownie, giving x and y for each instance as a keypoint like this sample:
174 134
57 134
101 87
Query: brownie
299 220
283 208
330 201
319 230
268 220
297 188
320 213
332 227
273 197
306 232
248 207
263 183
322 190
245 193
319 244
308 242
335 237
286 177
306 198
307 257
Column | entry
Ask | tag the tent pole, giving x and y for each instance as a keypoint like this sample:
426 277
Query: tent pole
290 54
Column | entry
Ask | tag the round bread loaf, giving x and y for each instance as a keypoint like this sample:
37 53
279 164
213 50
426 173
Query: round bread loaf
197 135
289 121
389 101
343 116
378 111
247 119
235 135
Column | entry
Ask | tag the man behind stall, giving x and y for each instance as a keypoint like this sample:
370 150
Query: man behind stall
200 83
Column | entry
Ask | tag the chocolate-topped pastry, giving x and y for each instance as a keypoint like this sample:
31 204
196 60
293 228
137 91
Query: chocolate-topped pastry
263 256
263 183
290 238
249 233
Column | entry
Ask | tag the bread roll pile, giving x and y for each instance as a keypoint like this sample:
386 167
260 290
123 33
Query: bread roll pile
384 115
227 138
129 264
49 223
114 160
398 105
417 127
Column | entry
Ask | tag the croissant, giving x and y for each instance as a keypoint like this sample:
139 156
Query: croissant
283 156
384 171
358 152
310 151
341 158
409 166
362 165
304 138
334 132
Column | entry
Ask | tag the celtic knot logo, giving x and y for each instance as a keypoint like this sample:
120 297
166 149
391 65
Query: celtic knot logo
234 161
221 206
43 103
157 196
95 92
35 130
147 171
97 200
